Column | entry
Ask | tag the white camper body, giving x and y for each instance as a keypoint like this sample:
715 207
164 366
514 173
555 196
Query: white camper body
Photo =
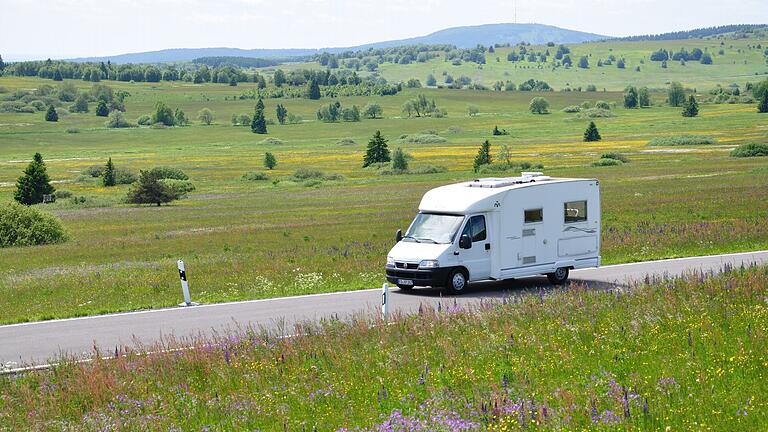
499 228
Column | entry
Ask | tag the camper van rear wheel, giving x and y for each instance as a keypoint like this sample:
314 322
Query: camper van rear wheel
559 276
457 282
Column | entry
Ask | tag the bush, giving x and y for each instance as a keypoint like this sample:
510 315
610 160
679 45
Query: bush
164 172
539 105
271 141
681 140
124 177
63 193
453 130
616 156
422 139
346 141
27 226
500 167
308 173
145 120
94 170
429 169
255 176
117 120
180 188
572 109
606 162
73 130
595 113
750 150
603 105
312 183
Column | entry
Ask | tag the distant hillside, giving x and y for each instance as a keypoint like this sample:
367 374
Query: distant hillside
462 37
244 62
697 33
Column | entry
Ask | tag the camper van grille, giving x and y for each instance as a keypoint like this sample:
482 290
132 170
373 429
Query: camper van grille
409 266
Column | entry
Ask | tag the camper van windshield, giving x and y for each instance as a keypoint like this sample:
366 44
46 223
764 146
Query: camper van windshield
433 228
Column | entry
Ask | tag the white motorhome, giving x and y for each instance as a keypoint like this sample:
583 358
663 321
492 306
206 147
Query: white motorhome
499 228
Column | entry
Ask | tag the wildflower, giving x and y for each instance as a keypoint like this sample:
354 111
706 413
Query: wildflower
504 381
421 379
645 406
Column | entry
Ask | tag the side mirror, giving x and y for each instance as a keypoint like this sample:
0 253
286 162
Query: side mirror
398 235
465 242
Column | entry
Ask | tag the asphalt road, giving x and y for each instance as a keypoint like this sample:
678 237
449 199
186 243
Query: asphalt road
39 343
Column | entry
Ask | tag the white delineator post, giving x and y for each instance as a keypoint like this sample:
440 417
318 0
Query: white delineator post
184 285
385 300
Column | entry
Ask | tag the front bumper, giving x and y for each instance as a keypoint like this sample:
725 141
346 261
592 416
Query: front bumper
436 277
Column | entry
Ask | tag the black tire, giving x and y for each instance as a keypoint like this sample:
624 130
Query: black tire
457 282
559 276
405 287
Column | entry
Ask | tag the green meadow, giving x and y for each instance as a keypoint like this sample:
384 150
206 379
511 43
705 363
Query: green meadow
256 239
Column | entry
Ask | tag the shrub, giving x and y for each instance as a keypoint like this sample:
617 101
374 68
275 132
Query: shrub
255 176
145 120
346 141
165 172
453 130
26 226
73 130
539 105
271 141
308 173
428 169
681 140
422 139
124 176
615 155
603 105
180 188
606 162
294 119
572 109
595 113
63 193
750 150
117 120
312 183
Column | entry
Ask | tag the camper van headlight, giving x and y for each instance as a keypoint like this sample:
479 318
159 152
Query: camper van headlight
429 264
390 261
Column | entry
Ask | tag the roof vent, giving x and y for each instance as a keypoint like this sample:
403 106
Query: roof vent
495 182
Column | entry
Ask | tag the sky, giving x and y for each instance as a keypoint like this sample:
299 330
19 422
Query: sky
38 29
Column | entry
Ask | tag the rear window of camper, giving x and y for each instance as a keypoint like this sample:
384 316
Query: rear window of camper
575 211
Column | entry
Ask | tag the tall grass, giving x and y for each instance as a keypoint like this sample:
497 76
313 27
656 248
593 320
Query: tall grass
682 354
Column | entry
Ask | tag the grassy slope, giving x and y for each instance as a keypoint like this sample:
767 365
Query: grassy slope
245 240
739 63
680 355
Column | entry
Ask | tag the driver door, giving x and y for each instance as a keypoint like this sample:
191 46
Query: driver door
477 259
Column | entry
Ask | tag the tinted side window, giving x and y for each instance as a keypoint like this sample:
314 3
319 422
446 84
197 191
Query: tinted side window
575 211
534 215
475 228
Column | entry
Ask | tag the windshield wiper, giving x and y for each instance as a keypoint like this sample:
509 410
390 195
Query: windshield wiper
429 240
412 238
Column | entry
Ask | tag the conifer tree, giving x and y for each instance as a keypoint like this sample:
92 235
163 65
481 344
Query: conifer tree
35 183
282 113
313 92
259 123
57 75
631 98
377 150
762 106
51 115
102 110
270 161
592 134
108 177
483 155
691 107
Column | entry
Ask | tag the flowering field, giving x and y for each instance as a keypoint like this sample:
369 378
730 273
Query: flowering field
682 354
258 239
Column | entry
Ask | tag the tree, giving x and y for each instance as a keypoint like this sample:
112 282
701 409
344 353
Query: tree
270 161
279 78
51 115
117 120
505 154
205 116
180 117
472 110
102 110
259 123
630 98
377 150
762 106
108 177
81 104
282 113
620 63
149 189
643 99
163 115
399 160
2 64
431 81
483 155
584 62
57 75
313 90
691 107
372 110
539 105
592 134
35 183
676 94
706 59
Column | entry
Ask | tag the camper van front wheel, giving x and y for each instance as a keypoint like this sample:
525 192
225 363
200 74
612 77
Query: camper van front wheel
457 282
559 276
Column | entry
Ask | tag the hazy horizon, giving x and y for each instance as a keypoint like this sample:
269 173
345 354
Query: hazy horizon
90 28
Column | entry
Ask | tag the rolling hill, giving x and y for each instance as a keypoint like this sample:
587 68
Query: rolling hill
462 37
